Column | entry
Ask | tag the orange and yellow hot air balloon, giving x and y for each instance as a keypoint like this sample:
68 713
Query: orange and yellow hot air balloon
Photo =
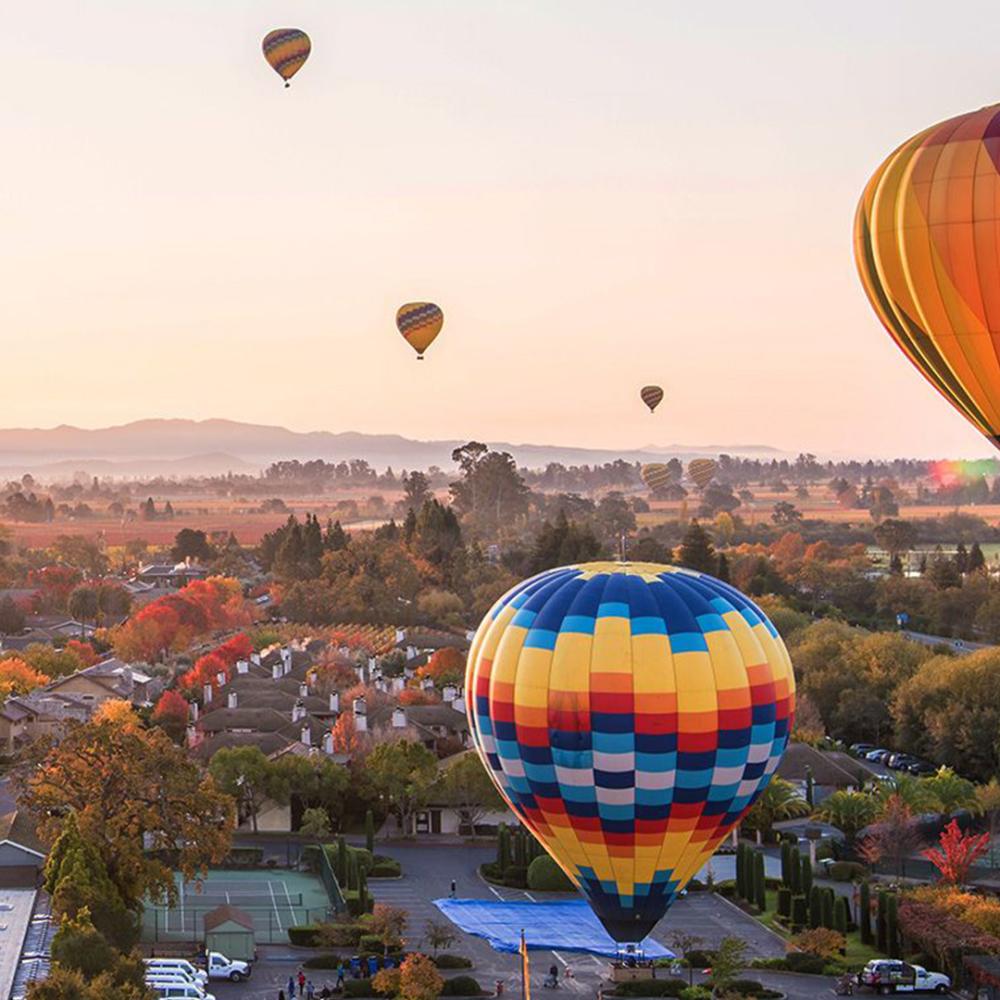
286 50
419 323
927 247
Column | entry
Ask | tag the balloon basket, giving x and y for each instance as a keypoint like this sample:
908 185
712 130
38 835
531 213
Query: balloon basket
631 965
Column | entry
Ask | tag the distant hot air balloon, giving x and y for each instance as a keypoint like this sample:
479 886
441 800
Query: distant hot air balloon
702 471
656 475
651 395
420 323
286 49
630 714
925 242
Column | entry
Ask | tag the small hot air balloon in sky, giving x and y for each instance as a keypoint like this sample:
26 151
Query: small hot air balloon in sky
651 395
656 475
286 49
926 235
702 471
420 323
630 714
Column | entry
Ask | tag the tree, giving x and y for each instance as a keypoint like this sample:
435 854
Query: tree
416 490
469 790
191 544
388 924
84 604
136 796
820 941
849 812
17 677
780 800
697 551
895 536
952 792
440 934
171 715
11 617
956 853
245 774
893 839
785 513
315 823
419 978
369 831
79 945
446 666
730 957
404 772
988 798
683 943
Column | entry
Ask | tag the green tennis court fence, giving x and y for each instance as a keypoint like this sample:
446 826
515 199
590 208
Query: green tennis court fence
330 883
270 926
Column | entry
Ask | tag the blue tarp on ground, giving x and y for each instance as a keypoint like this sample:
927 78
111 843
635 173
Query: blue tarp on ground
563 925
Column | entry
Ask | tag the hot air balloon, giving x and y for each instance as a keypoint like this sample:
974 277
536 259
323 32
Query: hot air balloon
630 714
420 323
925 242
651 395
702 471
656 475
286 49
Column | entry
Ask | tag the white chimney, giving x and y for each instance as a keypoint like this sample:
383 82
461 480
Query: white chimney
360 671
334 701
398 684
409 673
192 736
275 671
298 711
449 693
206 694
242 667
470 635
306 736
287 665
360 715
303 690
220 678
328 742
232 700
255 659
427 683
400 635
193 711
398 718
311 678
410 652
459 704
372 663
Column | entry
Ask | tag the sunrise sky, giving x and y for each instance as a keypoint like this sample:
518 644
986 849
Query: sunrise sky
599 193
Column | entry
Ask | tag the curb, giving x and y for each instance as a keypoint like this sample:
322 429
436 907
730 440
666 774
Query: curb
742 913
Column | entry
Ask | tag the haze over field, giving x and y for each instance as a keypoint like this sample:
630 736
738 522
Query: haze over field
599 195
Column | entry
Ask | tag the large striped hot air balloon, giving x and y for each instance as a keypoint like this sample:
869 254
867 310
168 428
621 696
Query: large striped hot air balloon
419 323
286 50
630 714
927 246
656 475
702 471
651 395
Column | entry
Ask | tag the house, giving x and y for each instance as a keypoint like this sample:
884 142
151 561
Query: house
22 854
165 576
442 818
829 774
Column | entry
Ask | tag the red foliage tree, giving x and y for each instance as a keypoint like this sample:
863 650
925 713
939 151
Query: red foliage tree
446 666
55 583
88 657
171 715
956 853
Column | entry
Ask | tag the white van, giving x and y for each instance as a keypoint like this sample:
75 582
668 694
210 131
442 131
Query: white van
196 975
167 990
175 976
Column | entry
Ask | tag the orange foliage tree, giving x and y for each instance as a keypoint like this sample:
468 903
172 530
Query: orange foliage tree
346 738
446 666
17 677
419 978
84 650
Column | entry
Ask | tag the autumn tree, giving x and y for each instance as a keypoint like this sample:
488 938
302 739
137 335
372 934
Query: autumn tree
893 838
419 978
388 924
11 617
956 853
17 677
138 799
171 715
445 666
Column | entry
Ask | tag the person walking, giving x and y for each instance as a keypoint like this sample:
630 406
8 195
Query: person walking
291 988
302 982
310 990
340 976
454 889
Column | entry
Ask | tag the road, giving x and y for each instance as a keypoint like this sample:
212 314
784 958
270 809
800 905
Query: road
428 871
960 646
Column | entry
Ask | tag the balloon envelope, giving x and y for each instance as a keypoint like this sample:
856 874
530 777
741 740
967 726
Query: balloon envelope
419 323
286 49
702 471
651 395
656 475
630 714
926 238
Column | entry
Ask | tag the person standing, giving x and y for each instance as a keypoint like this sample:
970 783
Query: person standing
340 976
291 988
454 889
310 990
302 982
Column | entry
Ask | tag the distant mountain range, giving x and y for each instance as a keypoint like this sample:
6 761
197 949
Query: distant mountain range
213 447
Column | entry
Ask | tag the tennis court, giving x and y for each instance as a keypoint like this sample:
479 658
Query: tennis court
275 900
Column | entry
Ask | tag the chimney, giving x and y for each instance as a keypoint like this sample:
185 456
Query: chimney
255 659
449 693
192 736
459 704
193 711
311 678
220 678
232 700
372 664
427 684
287 664
242 667
360 715
298 711
398 684
409 673
306 736
303 690
410 652
398 718
328 742
334 701
360 671
206 694
400 636
276 672
470 635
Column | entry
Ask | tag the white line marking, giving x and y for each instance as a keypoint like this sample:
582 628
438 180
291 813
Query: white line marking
288 896
495 893
565 964
274 903
532 898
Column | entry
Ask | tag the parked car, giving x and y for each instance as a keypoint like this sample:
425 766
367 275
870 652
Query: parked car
167 966
861 749
922 768
887 976
900 761
167 990
877 755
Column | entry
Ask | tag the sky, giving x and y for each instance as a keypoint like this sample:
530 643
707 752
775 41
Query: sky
599 194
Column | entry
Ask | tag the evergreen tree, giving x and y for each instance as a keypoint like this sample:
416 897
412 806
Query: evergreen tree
409 526
697 551
370 832
976 558
722 570
865 913
961 558
336 538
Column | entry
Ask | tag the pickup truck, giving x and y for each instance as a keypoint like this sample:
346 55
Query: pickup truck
887 976
220 967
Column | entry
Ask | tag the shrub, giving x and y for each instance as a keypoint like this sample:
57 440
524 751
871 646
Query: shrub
784 903
749 988
355 906
448 961
359 988
846 871
798 911
516 877
371 943
545 875
769 963
386 869
698 959
799 961
822 942
652 988
491 871
244 857
325 961
461 986
304 935
696 993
